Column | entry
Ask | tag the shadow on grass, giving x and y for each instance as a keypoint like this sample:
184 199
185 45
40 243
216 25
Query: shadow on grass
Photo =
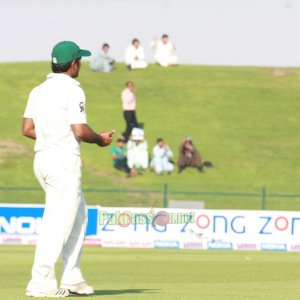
119 292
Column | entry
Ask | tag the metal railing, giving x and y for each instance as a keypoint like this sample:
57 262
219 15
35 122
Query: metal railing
166 193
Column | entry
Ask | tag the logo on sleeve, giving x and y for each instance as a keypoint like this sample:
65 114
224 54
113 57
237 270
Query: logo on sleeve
81 106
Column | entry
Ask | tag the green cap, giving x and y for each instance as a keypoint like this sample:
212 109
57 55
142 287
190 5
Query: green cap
67 51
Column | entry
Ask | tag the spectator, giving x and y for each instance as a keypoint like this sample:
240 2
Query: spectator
102 62
137 150
189 156
129 106
164 52
135 56
119 156
161 158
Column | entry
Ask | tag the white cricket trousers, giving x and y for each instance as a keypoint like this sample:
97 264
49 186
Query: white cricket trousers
64 221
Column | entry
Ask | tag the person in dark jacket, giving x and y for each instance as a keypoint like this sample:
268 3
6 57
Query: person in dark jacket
189 156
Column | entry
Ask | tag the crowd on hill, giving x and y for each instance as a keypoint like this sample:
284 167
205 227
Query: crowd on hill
131 152
164 55
132 156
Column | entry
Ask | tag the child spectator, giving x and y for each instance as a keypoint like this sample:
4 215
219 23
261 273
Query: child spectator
137 150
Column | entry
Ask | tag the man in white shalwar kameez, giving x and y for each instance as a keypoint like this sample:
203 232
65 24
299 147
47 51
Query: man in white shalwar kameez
164 52
135 56
161 157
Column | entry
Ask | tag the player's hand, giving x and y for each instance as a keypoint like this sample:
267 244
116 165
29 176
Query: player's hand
106 137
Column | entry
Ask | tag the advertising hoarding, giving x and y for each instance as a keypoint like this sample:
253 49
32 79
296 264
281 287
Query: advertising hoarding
165 228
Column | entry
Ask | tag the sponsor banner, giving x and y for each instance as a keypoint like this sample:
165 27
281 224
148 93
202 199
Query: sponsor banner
273 247
123 243
92 241
295 247
247 246
21 224
10 240
193 245
219 245
166 228
199 229
166 244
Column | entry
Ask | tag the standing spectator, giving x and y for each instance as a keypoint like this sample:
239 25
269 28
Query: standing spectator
128 98
135 56
119 156
137 150
55 117
161 158
102 62
189 156
164 52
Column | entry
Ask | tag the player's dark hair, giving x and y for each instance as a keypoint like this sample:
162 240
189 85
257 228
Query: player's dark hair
105 45
56 68
165 36
159 140
62 68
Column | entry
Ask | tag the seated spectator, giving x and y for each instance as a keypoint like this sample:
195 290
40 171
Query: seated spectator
119 156
164 52
101 62
137 150
189 156
161 158
135 56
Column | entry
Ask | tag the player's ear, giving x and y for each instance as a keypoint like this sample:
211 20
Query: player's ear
75 64
72 65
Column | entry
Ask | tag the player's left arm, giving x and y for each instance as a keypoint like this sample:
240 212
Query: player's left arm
28 128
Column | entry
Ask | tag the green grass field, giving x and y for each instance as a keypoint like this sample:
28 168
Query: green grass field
168 274
244 120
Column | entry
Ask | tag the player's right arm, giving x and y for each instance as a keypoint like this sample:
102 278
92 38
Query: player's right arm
28 128
78 121
84 133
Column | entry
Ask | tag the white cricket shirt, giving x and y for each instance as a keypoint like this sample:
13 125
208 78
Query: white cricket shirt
54 106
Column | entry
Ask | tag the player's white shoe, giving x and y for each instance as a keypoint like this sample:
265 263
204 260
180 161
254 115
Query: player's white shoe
56 293
79 289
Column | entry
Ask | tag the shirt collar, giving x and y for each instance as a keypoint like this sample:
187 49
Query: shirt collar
62 76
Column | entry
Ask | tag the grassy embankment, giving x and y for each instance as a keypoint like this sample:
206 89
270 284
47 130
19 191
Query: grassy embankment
244 120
